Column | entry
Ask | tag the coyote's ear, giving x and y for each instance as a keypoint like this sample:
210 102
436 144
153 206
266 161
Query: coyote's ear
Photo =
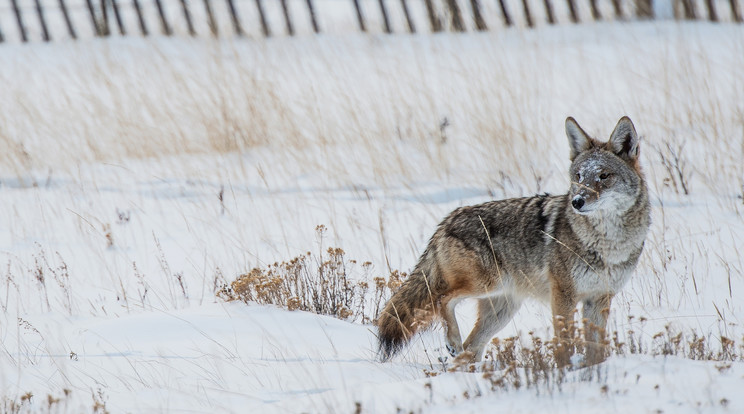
624 140
578 140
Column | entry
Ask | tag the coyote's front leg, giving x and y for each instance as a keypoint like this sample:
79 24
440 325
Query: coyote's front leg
563 303
594 315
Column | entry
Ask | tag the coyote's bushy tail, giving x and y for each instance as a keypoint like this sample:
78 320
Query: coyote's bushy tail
410 309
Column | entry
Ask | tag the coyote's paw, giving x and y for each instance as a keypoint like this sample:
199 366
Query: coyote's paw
451 349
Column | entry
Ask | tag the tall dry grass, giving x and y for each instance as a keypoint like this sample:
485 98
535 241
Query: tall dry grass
455 106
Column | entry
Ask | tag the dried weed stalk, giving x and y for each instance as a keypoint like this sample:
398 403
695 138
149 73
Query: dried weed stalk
327 284
517 362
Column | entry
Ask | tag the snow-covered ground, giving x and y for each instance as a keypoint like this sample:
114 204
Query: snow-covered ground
139 175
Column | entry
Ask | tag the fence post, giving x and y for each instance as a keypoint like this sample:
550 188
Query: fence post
572 11
735 11
456 15
360 16
385 20
436 25
409 21
19 20
187 17
140 18
104 19
42 21
618 9
210 17
287 19
2 38
480 24
549 12
644 9
688 7
235 19
117 16
313 20
163 21
68 22
93 19
596 15
507 17
712 15
262 17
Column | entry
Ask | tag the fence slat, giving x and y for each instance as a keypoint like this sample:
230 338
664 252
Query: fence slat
689 9
140 18
210 17
735 10
2 37
103 21
19 20
596 15
313 20
237 26
436 25
117 16
457 23
644 9
618 9
407 14
360 16
385 20
187 17
712 14
262 17
93 19
480 24
287 18
68 22
549 11
572 11
42 21
163 20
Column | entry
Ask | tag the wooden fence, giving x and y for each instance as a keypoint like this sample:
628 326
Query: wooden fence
102 18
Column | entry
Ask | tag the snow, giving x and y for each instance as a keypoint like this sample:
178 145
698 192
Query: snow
138 175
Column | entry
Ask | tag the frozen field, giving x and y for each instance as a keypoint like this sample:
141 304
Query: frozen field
139 176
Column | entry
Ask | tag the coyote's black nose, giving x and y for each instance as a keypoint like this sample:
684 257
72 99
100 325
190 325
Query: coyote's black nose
577 203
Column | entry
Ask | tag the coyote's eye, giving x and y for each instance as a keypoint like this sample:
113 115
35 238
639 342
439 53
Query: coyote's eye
578 177
604 176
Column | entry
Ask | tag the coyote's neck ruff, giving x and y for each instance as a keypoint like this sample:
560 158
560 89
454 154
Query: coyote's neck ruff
576 247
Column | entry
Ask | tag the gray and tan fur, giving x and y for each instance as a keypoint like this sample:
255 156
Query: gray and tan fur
579 247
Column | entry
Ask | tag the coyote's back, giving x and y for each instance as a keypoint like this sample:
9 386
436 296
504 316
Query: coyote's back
577 247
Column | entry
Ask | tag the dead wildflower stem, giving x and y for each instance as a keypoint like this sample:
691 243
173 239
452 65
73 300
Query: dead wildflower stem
515 362
330 288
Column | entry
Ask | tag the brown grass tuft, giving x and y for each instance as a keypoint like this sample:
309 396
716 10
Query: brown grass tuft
326 284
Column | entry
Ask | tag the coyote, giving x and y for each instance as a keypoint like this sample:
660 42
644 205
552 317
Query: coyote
563 249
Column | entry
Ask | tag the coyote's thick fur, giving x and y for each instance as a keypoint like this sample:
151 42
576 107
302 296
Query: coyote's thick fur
564 249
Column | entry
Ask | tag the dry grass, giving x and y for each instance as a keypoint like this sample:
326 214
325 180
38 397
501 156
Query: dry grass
518 362
327 284
29 403
309 99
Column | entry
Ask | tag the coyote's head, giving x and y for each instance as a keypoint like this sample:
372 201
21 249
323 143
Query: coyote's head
605 176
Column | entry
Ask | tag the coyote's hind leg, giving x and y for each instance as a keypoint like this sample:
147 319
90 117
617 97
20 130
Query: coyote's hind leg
452 329
493 314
